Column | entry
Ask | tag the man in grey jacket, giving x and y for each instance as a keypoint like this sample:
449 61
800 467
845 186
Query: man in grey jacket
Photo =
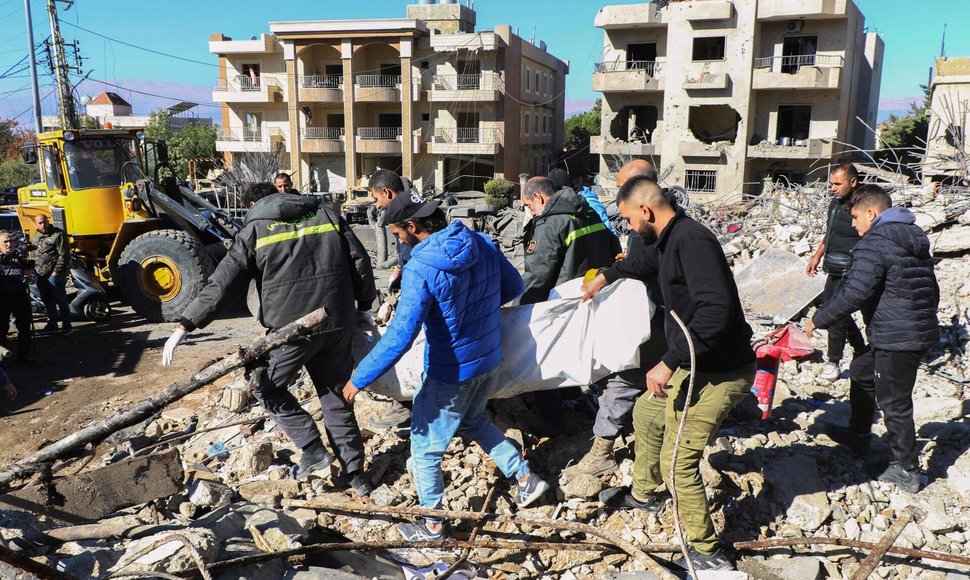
302 257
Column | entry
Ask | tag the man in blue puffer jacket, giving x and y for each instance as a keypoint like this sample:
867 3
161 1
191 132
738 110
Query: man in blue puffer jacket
454 285
892 278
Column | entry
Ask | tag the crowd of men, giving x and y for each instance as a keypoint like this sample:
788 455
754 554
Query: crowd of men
453 282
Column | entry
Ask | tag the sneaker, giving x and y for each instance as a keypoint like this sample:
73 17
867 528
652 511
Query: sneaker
361 486
314 458
830 372
599 461
858 443
905 479
620 498
418 531
715 562
49 329
397 417
67 331
533 489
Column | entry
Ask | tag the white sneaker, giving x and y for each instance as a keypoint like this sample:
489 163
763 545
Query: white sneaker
830 372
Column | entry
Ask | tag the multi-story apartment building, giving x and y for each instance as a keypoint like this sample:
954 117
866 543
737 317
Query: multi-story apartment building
947 145
425 95
724 94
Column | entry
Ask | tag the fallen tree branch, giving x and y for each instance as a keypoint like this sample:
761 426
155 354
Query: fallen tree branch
910 513
639 556
436 545
99 430
759 545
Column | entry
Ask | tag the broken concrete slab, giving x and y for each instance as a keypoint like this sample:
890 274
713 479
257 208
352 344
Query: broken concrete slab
796 484
799 568
209 494
171 555
774 285
958 475
100 492
952 240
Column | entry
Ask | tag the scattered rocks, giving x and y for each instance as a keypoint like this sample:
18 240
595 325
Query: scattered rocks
796 484
168 551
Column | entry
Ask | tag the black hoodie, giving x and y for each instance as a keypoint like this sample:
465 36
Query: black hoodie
302 257
892 277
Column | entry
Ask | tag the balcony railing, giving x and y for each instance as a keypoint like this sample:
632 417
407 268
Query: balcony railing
251 134
378 81
243 83
652 68
379 133
484 81
328 133
791 64
486 135
322 81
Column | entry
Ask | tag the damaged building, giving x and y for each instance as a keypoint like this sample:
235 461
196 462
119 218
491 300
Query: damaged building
947 150
425 95
722 95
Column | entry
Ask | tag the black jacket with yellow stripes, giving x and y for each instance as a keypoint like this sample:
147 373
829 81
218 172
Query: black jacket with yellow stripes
564 242
302 256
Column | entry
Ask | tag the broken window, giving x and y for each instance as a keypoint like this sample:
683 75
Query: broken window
955 136
700 180
634 124
794 122
713 123
709 48
798 51
641 56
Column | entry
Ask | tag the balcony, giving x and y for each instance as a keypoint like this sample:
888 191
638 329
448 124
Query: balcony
322 88
707 80
625 76
807 9
700 149
599 145
464 141
245 89
809 71
322 139
379 140
708 10
629 16
798 149
265 44
377 88
487 86
250 140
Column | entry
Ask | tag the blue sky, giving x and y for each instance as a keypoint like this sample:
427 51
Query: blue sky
912 32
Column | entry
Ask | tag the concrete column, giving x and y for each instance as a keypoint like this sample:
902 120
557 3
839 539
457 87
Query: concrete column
407 111
293 113
350 124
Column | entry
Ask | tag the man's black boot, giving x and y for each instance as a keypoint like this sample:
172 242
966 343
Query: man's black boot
314 458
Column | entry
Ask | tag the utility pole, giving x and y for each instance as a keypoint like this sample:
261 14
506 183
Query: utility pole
65 93
38 115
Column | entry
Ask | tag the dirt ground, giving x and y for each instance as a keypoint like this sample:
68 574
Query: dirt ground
101 369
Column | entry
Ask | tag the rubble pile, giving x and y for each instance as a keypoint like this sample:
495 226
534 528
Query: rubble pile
779 478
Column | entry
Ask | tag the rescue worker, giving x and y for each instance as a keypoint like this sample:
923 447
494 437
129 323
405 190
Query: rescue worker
303 256
696 283
52 263
623 390
14 270
453 287
564 239
560 180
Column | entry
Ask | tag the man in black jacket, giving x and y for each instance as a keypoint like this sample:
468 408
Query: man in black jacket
14 270
696 283
303 256
892 274
834 255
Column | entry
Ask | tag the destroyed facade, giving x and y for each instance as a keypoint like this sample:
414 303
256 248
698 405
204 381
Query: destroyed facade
726 94
947 151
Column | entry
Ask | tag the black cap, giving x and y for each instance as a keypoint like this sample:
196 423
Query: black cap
408 205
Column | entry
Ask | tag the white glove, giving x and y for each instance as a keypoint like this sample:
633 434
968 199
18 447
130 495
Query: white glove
176 339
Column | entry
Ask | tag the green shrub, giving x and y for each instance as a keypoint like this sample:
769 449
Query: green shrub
498 192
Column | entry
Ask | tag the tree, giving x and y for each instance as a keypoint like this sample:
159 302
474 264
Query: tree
13 138
191 141
581 126
16 173
905 137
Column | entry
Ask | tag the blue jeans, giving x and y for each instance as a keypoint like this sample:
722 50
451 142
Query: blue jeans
53 294
442 410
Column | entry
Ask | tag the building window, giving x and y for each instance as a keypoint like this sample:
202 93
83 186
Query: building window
709 48
425 65
794 123
425 117
528 79
701 180
526 124
536 131
544 128
537 83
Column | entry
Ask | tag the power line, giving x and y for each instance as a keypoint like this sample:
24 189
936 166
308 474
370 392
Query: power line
128 44
103 82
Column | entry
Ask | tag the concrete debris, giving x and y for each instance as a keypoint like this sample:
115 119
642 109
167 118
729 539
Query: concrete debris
796 484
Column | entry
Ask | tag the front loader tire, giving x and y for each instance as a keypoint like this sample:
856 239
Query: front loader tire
161 272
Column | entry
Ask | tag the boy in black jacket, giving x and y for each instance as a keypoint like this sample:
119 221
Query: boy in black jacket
892 275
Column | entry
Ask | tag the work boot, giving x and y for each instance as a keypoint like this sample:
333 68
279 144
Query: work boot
830 372
599 461
905 479
362 487
858 443
315 457
716 561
